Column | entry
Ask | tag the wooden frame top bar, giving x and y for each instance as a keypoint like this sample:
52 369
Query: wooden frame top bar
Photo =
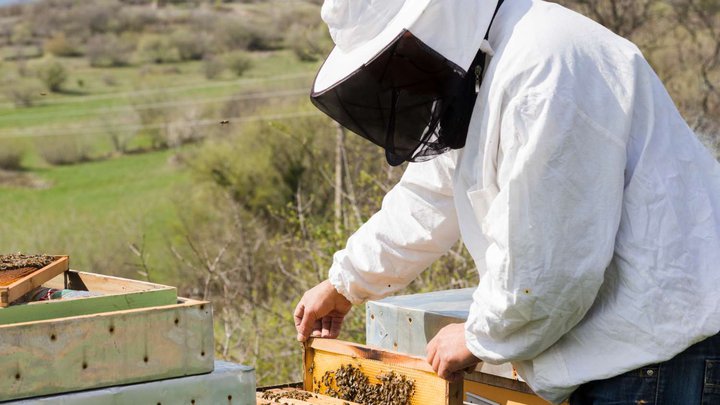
23 285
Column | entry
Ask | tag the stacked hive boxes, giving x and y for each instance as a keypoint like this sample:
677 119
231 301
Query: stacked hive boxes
407 323
132 332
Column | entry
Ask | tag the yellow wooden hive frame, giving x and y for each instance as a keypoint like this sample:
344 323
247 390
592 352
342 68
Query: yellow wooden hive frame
323 355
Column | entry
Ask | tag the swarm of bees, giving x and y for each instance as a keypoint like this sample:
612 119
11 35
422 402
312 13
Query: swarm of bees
19 261
350 384
276 396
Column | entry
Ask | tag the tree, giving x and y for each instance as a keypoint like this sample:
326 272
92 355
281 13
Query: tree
53 75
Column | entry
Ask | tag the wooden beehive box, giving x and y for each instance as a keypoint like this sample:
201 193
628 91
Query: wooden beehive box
117 294
407 323
322 355
105 349
228 384
14 286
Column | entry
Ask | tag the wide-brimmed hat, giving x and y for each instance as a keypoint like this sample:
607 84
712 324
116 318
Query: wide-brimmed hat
361 29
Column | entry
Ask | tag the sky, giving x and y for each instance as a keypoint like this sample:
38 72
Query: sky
8 2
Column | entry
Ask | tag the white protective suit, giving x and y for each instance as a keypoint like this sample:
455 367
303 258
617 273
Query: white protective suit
589 206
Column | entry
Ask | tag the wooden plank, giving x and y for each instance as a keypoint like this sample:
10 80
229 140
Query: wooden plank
119 294
277 386
495 381
106 349
366 352
33 280
502 396
80 280
322 355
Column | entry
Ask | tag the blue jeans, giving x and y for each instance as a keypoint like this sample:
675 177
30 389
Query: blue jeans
690 378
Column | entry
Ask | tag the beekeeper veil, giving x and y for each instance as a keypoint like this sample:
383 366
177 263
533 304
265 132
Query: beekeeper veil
404 73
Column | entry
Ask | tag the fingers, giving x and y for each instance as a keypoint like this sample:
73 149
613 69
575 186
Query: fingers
298 315
326 325
306 323
317 329
335 327
436 365
430 350
320 312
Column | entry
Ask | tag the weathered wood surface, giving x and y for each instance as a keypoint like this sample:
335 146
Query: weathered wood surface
228 384
323 355
407 323
112 348
23 285
119 294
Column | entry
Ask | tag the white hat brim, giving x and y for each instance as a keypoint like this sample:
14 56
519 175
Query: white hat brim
340 64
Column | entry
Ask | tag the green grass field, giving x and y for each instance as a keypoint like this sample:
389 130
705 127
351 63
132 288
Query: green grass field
101 212
94 211
80 106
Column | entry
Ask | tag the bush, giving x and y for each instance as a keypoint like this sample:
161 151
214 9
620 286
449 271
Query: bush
59 45
98 18
154 49
184 128
190 46
22 93
10 155
203 20
213 67
154 116
120 129
65 150
265 36
230 35
109 50
238 62
53 75
136 19
309 44
22 34
257 34
109 80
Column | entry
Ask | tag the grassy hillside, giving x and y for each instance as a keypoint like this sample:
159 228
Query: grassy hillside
78 106
104 141
95 211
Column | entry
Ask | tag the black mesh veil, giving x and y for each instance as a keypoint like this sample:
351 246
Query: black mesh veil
408 99
403 100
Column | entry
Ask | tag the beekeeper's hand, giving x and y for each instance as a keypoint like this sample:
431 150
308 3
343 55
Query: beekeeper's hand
448 354
320 312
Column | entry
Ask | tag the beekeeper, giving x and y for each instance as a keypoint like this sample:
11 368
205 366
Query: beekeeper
551 148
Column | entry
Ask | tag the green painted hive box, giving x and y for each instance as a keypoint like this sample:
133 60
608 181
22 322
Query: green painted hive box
115 294
106 349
